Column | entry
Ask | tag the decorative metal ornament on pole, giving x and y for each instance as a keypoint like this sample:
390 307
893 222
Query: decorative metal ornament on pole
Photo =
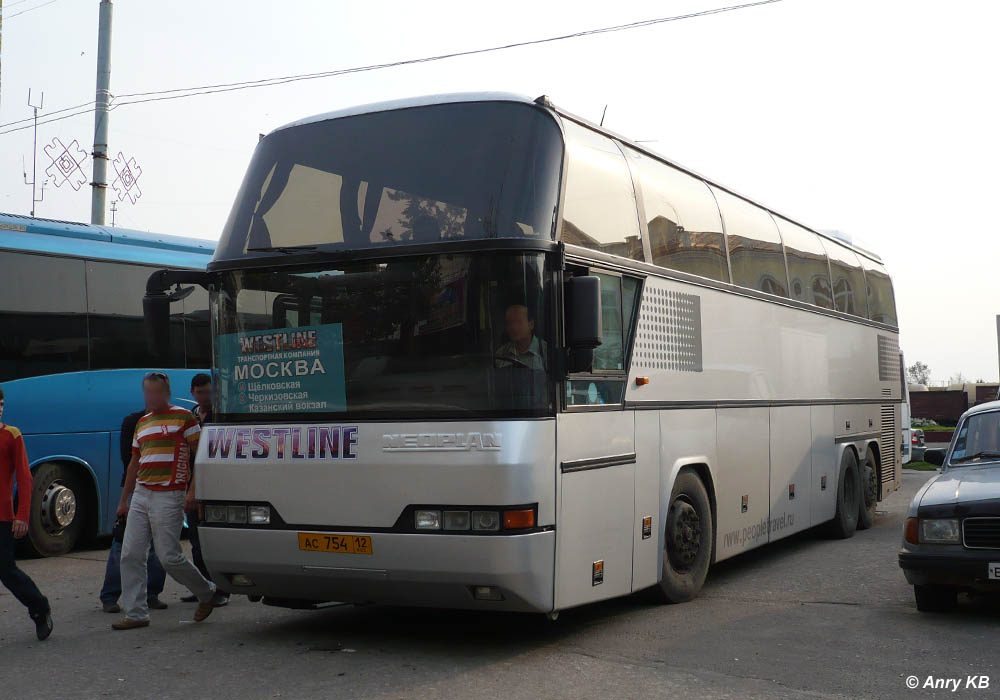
103 99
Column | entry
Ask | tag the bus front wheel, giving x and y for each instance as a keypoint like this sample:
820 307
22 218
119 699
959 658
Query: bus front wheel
687 543
58 509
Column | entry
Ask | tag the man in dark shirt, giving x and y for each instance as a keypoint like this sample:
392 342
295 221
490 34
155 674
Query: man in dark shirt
201 392
156 576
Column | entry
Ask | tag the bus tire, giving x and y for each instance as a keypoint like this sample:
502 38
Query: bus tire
687 540
845 520
869 490
59 507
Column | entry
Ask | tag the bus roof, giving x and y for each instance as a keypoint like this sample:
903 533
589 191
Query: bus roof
453 98
32 234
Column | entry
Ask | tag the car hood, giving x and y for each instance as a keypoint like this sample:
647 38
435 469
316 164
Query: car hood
964 485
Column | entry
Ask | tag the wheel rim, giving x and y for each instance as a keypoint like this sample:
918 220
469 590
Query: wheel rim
683 535
58 508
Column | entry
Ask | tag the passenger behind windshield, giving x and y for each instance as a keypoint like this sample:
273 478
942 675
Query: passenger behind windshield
524 348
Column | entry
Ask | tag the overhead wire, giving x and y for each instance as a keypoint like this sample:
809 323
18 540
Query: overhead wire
194 91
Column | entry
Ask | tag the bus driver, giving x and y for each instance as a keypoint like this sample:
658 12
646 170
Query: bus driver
524 349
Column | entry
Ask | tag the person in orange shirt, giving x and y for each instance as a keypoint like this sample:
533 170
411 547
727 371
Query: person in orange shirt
14 525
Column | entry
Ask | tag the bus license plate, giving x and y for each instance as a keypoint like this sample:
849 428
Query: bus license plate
331 542
993 571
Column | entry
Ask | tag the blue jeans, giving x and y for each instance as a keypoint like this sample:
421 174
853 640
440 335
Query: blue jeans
112 589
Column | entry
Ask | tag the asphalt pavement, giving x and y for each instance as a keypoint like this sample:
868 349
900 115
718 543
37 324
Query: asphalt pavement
805 617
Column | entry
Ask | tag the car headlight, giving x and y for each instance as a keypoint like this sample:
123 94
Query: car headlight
940 531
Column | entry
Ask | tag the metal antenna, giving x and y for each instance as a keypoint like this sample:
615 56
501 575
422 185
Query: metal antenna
114 208
603 113
34 154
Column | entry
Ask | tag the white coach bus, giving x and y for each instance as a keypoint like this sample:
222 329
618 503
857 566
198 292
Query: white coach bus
472 351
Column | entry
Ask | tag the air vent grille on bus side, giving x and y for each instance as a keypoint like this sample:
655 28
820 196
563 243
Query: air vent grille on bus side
888 437
888 358
669 334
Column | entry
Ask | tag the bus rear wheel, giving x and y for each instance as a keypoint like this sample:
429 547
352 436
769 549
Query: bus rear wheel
845 520
58 506
869 490
687 541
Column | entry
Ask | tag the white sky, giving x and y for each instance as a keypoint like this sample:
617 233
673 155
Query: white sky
876 117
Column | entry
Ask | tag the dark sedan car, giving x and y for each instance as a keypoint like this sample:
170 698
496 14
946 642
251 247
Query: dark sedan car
951 539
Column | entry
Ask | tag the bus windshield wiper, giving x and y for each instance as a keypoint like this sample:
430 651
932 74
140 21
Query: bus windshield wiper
282 249
977 455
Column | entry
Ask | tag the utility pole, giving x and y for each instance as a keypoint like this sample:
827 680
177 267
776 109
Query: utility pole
34 155
103 100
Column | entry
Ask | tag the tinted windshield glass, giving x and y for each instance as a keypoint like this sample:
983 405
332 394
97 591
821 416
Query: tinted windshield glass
417 175
429 336
978 440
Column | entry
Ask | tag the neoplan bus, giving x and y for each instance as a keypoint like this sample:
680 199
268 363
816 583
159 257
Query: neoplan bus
73 353
476 352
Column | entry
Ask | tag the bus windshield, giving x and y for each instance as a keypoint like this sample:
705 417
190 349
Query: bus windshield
452 336
418 175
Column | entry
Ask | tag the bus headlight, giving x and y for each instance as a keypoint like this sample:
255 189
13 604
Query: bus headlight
215 514
427 520
259 515
940 531
485 520
237 515
456 520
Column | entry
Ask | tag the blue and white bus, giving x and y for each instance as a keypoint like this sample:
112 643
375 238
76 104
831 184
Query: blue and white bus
72 354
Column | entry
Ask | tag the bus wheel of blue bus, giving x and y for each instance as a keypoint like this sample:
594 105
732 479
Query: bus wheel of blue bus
845 520
869 490
58 507
687 542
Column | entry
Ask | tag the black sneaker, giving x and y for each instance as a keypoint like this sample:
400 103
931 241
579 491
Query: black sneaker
189 599
43 626
111 607
220 599
155 603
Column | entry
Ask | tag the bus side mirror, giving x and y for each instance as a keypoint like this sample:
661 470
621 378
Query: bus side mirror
935 457
584 330
156 315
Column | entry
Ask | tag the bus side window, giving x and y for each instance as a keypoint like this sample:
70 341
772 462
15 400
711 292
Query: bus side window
755 252
808 272
848 280
43 315
881 301
599 212
605 384
685 228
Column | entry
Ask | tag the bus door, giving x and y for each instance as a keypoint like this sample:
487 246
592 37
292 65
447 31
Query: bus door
596 462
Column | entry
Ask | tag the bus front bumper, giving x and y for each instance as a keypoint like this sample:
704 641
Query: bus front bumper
440 570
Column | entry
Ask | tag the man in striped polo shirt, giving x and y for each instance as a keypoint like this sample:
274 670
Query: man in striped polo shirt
158 489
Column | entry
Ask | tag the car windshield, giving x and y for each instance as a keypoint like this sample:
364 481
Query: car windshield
449 336
978 440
